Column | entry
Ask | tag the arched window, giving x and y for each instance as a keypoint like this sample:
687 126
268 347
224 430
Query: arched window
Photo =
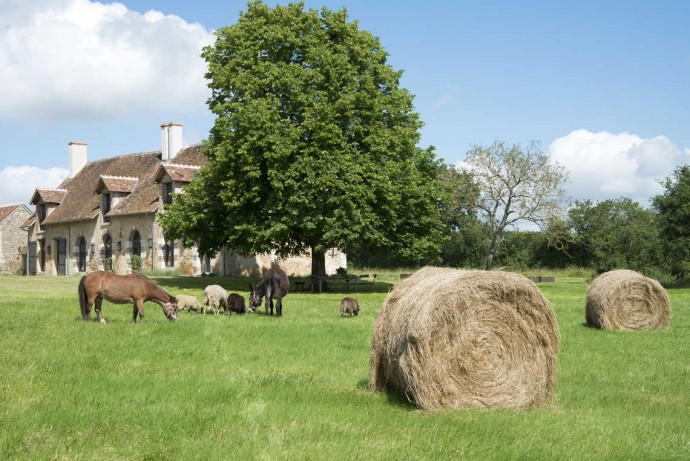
136 243
81 258
108 252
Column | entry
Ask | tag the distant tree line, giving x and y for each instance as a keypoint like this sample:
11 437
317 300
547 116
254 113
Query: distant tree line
600 236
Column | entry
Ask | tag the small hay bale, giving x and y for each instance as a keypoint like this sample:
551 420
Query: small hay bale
449 338
626 300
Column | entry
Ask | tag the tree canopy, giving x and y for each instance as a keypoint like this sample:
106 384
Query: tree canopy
614 234
314 144
673 208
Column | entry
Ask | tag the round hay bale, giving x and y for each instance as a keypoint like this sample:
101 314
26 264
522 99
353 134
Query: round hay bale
449 338
626 300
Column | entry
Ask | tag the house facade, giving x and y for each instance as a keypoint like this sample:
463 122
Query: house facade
13 239
103 217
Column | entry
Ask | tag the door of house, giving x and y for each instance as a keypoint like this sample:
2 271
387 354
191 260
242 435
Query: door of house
61 256
32 258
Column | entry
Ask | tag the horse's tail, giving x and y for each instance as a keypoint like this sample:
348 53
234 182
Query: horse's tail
82 297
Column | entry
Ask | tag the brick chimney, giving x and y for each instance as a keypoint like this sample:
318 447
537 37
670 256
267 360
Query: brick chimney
171 140
77 157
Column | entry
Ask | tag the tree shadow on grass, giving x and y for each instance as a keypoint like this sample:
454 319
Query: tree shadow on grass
241 284
393 397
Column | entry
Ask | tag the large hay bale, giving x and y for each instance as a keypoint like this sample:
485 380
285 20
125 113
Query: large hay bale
626 300
448 338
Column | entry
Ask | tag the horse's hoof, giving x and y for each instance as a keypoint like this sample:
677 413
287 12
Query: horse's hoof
103 321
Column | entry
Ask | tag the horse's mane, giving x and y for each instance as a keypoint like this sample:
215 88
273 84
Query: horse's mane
172 298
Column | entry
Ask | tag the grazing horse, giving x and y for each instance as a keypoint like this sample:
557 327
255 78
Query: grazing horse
274 285
122 289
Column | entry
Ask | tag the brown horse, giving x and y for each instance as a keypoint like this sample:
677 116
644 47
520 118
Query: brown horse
122 289
274 285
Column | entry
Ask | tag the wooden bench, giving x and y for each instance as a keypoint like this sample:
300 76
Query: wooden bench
319 284
542 278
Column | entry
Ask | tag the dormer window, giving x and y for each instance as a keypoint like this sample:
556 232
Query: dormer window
105 206
113 190
42 210
172 178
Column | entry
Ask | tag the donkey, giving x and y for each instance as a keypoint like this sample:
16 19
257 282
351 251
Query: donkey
274 285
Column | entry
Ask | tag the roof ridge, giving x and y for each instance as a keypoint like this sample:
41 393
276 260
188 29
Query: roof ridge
106 159
133 178
183 165
52 188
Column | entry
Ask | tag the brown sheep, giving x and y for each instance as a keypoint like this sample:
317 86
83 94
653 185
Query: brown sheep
235 303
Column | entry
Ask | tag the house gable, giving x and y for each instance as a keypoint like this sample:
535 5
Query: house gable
6 211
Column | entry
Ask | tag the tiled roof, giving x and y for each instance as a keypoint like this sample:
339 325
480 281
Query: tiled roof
6 210
116 184
80 202
192 155
48 195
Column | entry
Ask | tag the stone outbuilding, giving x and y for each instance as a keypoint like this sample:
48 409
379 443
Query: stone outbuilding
13 238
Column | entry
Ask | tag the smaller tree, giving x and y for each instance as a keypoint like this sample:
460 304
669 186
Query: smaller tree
515 185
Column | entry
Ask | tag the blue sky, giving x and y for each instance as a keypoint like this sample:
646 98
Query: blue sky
605 85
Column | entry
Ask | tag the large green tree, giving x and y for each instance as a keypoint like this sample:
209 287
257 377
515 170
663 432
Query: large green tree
314 145
673 208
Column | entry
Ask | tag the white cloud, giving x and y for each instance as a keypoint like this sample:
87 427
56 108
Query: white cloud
80 60
18 183
605 165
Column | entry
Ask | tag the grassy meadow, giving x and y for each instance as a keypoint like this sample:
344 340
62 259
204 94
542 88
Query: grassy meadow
296 388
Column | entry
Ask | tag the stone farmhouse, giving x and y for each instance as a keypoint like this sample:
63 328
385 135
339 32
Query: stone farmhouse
13 239
103 217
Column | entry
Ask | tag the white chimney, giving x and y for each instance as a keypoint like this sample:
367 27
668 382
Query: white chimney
77 157
171 140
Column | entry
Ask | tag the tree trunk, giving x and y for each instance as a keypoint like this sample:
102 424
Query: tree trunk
318 263
492 252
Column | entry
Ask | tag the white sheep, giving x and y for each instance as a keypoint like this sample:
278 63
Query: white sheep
215 297
188 302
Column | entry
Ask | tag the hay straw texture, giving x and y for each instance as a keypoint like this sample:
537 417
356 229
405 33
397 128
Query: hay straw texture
448 338
626 300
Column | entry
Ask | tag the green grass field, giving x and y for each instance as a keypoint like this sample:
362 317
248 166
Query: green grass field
296 387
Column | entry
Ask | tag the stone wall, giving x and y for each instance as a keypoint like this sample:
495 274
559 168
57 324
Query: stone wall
186 260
